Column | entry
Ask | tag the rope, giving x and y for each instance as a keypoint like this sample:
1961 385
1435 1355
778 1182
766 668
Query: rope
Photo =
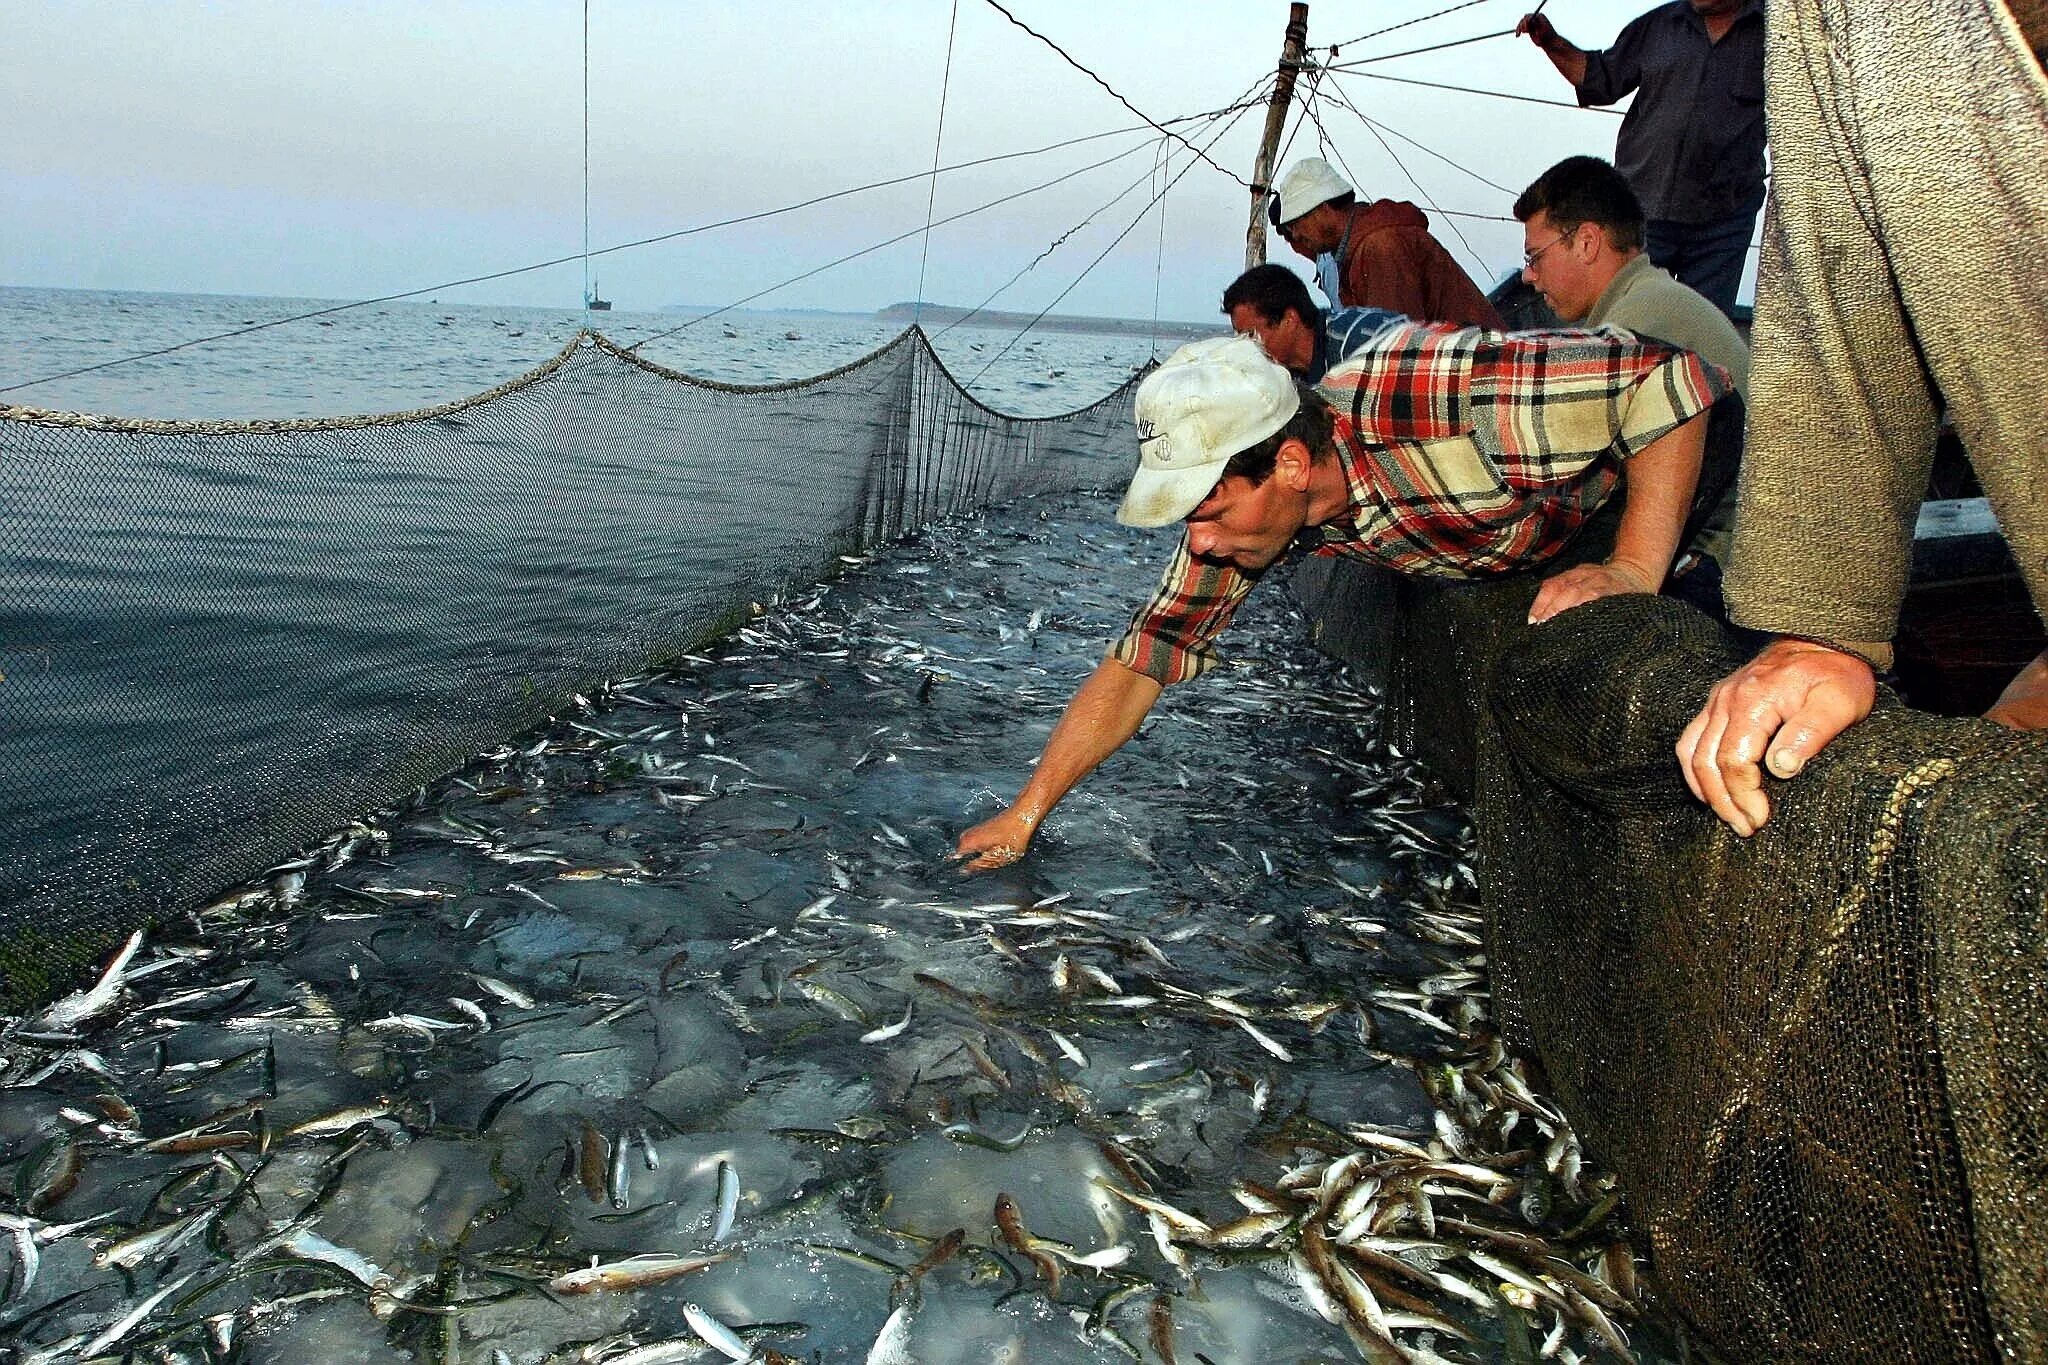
1418 51
1315 80
92 421
1346 101
1409 23
1151 172
1496 94
1199 152
586 153
996 5
1057 242
604 251
1161 165
889 241
938 139
1395 157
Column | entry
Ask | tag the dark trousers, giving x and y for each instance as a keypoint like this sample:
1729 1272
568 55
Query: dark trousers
1708 256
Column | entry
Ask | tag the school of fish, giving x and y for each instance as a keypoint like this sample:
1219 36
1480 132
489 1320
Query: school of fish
673 1033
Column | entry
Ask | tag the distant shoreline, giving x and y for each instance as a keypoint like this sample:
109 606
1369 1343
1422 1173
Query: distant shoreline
943 315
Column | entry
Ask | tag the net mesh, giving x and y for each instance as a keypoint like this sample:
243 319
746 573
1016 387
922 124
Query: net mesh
221 641
1815 1057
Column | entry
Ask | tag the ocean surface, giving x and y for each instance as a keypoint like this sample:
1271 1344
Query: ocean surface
396 357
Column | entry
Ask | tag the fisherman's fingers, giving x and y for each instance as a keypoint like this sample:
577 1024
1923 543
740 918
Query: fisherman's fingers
1561 593
1754 720
996 842
1703 770
1687 747
2023 705
1826 708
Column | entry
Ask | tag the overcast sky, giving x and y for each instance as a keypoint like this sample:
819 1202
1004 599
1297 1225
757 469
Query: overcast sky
343 150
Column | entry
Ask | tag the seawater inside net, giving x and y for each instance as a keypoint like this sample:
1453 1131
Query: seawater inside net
712 882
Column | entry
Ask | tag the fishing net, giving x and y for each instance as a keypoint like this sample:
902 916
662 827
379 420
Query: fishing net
1816 1057
222 641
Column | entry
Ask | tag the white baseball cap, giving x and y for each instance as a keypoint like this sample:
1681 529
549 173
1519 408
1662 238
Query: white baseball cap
1210 400
1308 182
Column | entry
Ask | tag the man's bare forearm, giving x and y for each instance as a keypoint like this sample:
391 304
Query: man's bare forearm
1569 61
1661 478
1103 715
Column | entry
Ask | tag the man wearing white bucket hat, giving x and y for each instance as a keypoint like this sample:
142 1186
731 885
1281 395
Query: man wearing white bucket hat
1377 255
1445 451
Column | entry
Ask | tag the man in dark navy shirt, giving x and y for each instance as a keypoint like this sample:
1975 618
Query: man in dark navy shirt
1692 144
1271 303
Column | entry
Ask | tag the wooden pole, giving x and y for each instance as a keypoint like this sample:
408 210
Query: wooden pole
1276 118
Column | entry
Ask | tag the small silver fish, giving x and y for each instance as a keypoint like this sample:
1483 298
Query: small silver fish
619 1185
716 1334
888 1031
76 1008
505 991
728 1202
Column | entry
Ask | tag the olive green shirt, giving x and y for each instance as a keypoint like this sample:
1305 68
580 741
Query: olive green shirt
1652 303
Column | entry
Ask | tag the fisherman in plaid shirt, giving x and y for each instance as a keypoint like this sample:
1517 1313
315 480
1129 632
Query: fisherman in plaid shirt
1438 450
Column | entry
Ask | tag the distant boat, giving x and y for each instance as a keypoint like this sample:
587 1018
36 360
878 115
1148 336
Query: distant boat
792 336
595 304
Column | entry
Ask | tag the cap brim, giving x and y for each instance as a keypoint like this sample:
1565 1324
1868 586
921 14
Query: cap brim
1160 497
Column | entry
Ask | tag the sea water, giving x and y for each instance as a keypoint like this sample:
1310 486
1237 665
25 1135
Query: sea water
397 357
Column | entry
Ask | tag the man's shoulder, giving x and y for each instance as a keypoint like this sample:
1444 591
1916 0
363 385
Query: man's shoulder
1383 216
1653 304
1672 11
1650 297
1671 21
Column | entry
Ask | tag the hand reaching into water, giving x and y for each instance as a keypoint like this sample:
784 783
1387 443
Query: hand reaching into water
996 842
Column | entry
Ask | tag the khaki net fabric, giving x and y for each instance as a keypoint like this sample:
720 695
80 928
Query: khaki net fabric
221 641
1816 1057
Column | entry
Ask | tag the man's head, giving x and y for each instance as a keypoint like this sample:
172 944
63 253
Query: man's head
1714 9
1581 223
1227 440
1271 303
1310 206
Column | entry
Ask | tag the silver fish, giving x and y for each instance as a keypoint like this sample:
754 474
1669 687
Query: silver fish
717 1334
728 1201
619 1183
76 1008
888 1031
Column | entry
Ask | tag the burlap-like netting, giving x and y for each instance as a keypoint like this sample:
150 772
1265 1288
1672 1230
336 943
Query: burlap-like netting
221 641
1817 1057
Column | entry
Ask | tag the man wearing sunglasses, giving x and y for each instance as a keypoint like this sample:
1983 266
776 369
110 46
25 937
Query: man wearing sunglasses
1377 255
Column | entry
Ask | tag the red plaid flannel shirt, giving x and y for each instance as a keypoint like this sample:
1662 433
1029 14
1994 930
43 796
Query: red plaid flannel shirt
1468 453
